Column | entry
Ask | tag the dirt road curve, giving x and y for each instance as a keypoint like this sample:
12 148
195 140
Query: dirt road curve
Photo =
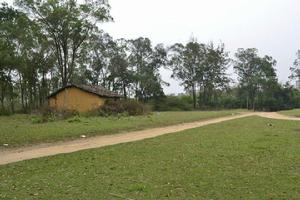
15 155
274 115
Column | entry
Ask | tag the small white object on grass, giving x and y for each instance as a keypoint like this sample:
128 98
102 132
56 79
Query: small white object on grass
6 145
83 136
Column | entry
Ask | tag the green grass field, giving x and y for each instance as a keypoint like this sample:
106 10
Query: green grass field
239 159
293 113
19 130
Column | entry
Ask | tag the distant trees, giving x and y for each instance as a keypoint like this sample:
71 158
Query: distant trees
213 78
96 60
7 57
26 57
186 63
42 47
295 69
257 77
47 44
146 62
121 74
130 67
68 25
201 68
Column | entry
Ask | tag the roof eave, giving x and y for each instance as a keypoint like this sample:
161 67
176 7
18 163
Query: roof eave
78 87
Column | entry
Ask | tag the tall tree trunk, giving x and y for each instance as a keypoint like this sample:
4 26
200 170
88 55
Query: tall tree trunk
35 99
194 95
3 91
30 98
12 104
124 91
247 101
22 96
2 99
43 88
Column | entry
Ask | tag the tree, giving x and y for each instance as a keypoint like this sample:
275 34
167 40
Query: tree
146 62
213 76
295 69
201 68
68 24
186 62
27 60
257 76
7 54
95 58
120 72
17 41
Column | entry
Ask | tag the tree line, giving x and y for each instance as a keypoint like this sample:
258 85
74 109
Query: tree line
45 45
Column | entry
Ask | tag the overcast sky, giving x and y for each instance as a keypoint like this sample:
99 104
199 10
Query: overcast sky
272 26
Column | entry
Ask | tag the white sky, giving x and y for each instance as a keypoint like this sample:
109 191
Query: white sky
272 26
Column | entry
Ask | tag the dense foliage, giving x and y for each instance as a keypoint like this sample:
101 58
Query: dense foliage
173 103
124 107
45 45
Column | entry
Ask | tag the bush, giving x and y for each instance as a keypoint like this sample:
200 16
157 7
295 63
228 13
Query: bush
5 112
75 119
173 103
48 114
35 119
128 107
66 113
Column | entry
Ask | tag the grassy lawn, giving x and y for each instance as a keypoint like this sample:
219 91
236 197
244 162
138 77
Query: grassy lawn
19 130
293 113
240 159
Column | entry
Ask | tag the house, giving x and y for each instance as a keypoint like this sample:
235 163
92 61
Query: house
82 98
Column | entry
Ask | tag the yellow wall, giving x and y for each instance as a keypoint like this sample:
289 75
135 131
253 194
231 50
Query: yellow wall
75 99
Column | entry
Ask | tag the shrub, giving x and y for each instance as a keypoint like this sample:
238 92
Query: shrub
5 112
173 103
136 108
48 114
75 119
36 119
66 113
129 107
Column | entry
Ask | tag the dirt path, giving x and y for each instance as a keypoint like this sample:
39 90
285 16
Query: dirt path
15 155
274 115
